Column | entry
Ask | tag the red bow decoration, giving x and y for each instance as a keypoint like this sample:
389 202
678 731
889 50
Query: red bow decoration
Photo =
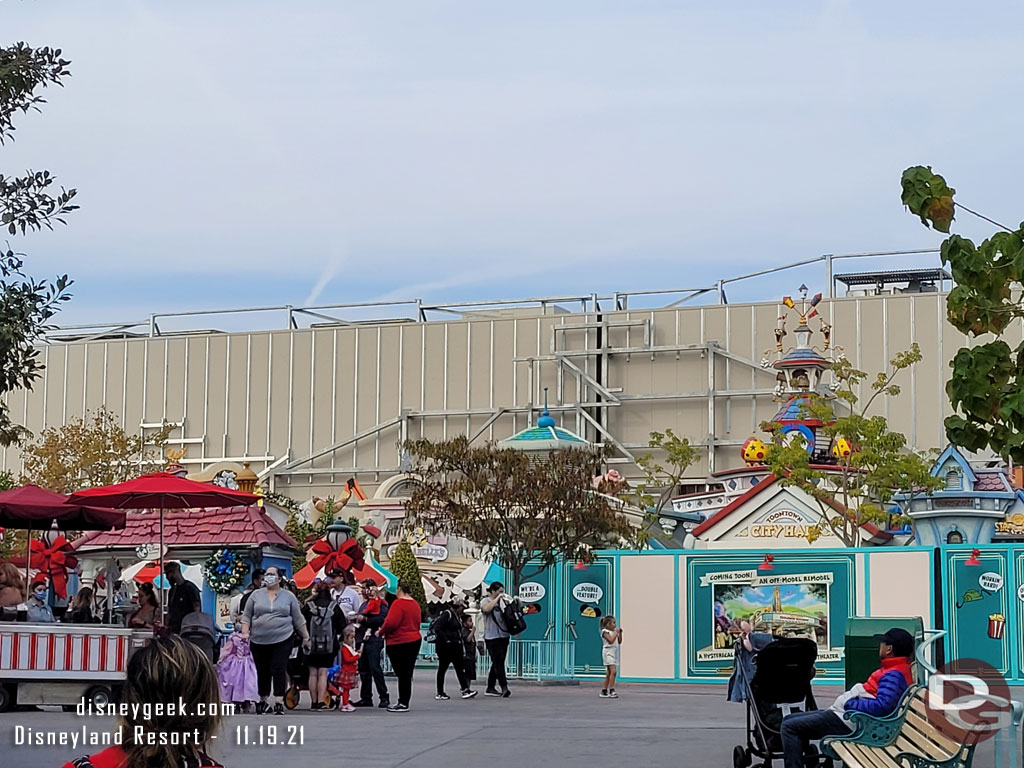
54 562
347 557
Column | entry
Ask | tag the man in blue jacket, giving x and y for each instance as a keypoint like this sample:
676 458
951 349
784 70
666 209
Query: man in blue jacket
878 697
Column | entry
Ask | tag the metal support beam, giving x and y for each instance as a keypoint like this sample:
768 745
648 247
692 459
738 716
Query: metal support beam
341 444
711 408
612 439
589 380
497 415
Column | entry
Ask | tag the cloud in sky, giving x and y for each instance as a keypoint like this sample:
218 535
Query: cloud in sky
337 152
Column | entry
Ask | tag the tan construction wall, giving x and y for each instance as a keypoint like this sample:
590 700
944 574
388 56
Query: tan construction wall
276 398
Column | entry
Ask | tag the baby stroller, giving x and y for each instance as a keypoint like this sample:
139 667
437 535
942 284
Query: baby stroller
781 684
199 629
334 686
298 676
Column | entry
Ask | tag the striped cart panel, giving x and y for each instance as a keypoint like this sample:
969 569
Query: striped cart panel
53 651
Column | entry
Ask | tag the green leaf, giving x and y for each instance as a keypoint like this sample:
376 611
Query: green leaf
928 196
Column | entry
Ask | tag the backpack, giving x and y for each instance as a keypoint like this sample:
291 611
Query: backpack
444 628
321 628
510 617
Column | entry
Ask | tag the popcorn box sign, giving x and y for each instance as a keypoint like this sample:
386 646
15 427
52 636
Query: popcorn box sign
588 593
996 626
991 581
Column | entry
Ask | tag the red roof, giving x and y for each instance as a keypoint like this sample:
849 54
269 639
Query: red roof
230 526
874 534
731 507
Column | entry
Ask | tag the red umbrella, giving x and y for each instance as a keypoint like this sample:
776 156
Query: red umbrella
161 490
31 507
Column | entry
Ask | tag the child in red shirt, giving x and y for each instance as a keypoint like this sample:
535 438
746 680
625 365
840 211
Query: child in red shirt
349 676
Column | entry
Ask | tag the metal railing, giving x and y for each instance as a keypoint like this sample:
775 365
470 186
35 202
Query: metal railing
537 660
289 317
541 660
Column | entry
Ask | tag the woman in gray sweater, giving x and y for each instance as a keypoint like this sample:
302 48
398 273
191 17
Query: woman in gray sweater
271 618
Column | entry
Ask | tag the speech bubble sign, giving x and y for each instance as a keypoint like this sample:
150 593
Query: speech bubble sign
531 592
1020 592
991 581
588 593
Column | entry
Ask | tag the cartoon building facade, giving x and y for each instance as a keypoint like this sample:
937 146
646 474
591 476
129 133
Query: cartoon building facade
753 509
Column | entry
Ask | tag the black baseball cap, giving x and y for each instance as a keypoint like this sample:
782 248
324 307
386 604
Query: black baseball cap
902 642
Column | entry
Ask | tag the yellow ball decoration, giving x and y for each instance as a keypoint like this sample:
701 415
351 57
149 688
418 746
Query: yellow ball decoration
754 451
841 448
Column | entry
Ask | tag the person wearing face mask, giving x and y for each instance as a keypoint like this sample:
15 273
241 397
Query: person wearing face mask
271 618
38 609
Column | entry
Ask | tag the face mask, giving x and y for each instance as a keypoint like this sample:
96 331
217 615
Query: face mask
40 595
269 580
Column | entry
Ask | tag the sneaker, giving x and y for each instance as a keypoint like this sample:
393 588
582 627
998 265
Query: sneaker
348 708
469 694
612 694
398 708
262 707
316 707
360 704
279 709
604 694
491 692
443 697
506 693
384 704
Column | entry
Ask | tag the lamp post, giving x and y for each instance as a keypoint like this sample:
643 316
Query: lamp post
50 535
338 534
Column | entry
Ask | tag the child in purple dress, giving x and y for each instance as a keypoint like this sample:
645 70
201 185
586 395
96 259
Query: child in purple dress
236 672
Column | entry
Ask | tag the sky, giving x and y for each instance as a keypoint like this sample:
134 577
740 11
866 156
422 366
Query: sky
239 154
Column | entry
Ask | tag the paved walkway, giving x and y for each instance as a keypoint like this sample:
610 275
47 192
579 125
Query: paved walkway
557 727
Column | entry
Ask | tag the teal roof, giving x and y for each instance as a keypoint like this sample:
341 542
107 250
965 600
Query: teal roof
545 433
544 437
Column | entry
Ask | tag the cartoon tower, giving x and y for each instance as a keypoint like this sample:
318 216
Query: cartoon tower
777 600
800 374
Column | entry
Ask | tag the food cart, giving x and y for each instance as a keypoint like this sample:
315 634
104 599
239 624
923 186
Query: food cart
62 664
59 663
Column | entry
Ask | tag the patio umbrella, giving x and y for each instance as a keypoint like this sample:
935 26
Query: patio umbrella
31 507
161 490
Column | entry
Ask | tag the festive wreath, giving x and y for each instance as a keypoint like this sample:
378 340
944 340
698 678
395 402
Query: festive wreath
224 570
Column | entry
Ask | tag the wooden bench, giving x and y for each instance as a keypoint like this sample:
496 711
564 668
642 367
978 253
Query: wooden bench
904 739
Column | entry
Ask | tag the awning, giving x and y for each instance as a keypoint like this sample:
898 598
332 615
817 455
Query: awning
370 570
477 573
149 570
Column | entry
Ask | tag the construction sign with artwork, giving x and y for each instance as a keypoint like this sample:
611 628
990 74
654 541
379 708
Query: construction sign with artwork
808 600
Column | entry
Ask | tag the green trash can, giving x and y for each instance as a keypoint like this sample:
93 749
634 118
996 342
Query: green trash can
862 648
